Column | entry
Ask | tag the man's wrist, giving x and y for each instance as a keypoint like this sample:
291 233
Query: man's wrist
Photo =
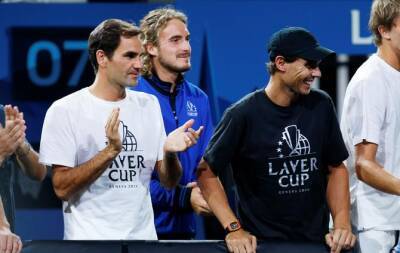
169 154
4 226
2 159
23 150
233 226
111 152
341 225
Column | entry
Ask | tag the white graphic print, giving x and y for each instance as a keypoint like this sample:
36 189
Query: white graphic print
124 170
191 109
298 143
128 140
294 164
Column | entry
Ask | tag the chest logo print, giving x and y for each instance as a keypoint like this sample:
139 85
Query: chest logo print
128 140
191 109
292 163
297 143
124 170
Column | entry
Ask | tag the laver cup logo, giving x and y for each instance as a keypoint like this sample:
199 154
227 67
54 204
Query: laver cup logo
293 163
129 142
298 143
191 109
125 169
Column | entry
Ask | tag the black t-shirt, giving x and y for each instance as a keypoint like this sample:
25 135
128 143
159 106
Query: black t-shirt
280 157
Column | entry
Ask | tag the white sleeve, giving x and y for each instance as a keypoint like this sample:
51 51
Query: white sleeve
57 144
162 133
366 112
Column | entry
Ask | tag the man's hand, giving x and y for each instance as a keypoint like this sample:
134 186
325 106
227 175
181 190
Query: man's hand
241 241
13 114
339 239
114 140
9 242
12 135
199 205
170 169
182 138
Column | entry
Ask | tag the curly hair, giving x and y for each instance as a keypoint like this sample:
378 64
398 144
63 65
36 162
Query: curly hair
151 25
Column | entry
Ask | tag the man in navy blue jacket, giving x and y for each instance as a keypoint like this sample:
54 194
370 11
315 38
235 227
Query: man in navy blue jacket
167 56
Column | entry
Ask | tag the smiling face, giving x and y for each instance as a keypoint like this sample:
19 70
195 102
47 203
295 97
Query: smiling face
173 50
300 75
122 69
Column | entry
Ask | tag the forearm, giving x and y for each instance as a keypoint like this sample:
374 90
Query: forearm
338 197
377 177
3 155
29 162
177 199
213 192
9 242
68 181
170 171
4 225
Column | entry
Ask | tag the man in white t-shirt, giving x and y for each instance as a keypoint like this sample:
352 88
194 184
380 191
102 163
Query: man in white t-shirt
104 141
371 126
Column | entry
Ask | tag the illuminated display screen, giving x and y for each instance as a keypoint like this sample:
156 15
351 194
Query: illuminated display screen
49 62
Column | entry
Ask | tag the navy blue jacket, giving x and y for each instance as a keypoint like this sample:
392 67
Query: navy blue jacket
172 209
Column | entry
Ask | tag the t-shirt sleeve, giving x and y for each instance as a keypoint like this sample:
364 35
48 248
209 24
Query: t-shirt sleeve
57 144
162 134
224 142
337 151
365 113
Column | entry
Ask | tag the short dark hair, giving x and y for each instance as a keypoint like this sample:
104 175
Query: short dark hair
271 67
107 36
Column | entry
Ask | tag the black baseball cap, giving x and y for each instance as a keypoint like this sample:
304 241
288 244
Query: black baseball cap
296 42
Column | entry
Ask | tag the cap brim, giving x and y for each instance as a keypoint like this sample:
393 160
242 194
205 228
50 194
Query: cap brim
316 54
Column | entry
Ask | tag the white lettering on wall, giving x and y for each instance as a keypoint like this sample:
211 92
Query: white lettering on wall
356 38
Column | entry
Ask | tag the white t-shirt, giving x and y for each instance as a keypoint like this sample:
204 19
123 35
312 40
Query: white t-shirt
371 112
117 205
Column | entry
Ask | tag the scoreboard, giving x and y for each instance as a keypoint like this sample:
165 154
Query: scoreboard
49 62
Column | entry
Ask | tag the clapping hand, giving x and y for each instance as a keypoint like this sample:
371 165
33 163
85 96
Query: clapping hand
112 133
12 135
182 138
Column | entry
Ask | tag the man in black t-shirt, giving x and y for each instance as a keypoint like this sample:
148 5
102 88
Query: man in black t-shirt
286 152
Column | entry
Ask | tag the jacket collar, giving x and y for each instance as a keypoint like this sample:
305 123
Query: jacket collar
164 87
